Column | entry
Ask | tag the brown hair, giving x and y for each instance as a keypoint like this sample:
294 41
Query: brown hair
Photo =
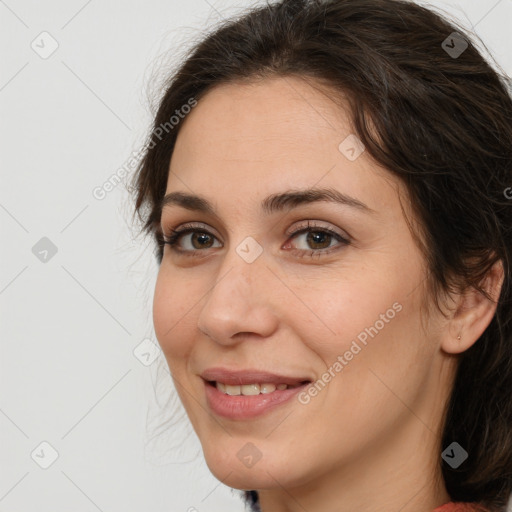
442 122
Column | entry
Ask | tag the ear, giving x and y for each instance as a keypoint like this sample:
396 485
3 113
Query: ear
473 312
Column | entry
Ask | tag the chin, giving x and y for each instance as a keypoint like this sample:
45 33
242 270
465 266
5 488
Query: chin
241 468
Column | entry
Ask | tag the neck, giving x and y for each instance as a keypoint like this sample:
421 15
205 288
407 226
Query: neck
400 473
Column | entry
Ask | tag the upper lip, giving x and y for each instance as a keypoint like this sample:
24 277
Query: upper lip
249 376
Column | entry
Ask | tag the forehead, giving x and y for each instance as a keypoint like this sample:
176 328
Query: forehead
271 135
275 114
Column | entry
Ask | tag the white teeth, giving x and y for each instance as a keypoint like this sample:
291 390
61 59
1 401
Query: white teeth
267 388
232 390
250 389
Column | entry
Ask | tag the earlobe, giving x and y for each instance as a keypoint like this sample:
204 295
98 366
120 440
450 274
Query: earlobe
473 312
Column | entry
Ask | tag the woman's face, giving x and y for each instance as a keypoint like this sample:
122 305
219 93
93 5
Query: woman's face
243 299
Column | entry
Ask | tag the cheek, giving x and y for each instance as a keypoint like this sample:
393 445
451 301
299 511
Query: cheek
378 346
171 312
371 320
341 309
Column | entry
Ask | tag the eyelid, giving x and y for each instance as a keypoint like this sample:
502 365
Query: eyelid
311 225
188 225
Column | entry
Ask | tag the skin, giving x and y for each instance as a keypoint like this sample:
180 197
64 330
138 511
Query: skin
370 440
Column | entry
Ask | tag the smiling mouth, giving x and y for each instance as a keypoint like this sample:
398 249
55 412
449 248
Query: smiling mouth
249 395
253 389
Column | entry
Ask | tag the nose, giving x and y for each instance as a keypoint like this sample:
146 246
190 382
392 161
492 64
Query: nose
240 303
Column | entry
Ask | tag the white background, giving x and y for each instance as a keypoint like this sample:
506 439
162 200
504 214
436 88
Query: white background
69 326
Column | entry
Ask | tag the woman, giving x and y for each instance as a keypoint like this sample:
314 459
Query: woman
328 190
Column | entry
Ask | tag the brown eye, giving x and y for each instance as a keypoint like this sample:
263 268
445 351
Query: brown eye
201 240
180 241
319 239
190 241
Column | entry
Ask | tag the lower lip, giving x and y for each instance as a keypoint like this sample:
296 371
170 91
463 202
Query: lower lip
245 407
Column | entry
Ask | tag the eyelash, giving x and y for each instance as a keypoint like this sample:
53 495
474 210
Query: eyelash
173 238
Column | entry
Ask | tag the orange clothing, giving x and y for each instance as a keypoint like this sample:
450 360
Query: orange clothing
460 507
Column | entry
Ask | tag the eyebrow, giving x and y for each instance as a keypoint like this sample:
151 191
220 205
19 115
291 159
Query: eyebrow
280 202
